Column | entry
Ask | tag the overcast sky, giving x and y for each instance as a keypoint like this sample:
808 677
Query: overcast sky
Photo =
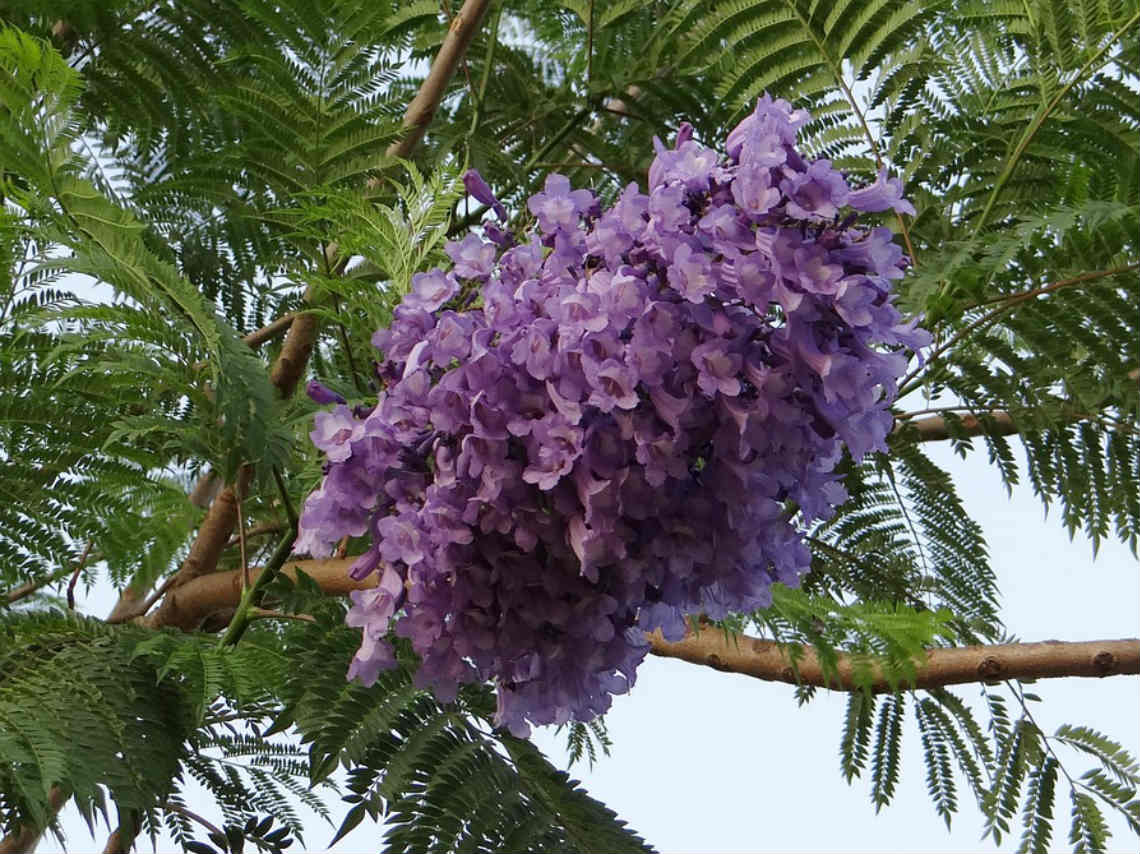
714 762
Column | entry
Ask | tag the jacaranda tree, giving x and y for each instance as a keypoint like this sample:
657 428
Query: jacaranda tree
619 328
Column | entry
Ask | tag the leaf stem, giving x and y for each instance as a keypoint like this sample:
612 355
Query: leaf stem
252 594
488 64
1006 303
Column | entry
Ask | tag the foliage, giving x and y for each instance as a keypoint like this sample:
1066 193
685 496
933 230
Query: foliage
213 165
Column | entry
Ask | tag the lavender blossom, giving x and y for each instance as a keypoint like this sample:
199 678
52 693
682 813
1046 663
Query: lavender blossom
322 394
606 443
475 185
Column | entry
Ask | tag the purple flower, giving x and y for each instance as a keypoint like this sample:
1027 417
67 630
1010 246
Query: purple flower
770 118
399 540
691 273
885 194
876 253
535 349
559 207
556 444
613 385
475 185
816 194
717 368
322 394
473 258
432 290
727 227
623 294
667 211
691 164
377 605
375 655
815 273
410 326
334 432
451 338
602 439
752 189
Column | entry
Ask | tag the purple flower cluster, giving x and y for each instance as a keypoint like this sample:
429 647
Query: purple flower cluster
586 436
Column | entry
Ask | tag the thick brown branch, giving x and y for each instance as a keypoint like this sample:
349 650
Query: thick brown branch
767 660
287 369
295 352
270 331
26 837
302 333
754 657
213 534
422 109
935 428
188 606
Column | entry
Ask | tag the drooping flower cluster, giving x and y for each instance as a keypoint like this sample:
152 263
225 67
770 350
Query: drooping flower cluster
586 436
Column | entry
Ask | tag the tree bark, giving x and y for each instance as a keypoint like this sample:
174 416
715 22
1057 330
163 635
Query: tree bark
935 429
422 109
212 537
771 662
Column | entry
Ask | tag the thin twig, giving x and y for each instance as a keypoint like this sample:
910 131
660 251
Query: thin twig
27 589
193 816
488 64
264 614
1006 303
257 531
241 544
290 511
1047 289
590 47
75 576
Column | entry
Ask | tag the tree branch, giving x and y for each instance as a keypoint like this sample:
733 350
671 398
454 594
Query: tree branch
1004 304
422 109
301 337
284 374
303 331
772 662
270 331
27 589
760 659
27 836
213 534
935 428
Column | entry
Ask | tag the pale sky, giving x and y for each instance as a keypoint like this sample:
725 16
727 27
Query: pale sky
712 762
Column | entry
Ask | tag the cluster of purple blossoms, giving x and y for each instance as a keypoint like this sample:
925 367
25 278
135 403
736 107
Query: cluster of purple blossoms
586 436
